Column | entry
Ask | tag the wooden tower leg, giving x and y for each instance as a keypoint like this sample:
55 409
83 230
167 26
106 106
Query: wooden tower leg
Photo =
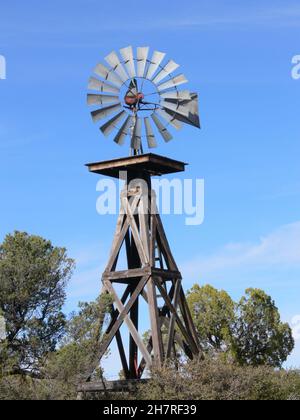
133 348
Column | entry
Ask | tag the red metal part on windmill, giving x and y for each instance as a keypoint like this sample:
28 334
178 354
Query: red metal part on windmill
132 100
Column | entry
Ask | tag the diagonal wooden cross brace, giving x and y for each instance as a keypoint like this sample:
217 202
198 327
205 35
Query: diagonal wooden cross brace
123 317
123 312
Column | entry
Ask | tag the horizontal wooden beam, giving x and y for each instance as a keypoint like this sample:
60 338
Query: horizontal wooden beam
123 275
127 274
166 274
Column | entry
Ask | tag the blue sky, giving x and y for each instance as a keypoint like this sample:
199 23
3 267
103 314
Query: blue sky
237 55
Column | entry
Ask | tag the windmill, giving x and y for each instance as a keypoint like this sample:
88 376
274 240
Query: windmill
138 99
138 94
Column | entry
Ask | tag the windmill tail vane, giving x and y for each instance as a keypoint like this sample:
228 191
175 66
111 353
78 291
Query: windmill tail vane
140 98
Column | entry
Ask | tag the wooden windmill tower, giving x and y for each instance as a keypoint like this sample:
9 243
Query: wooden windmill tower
139 97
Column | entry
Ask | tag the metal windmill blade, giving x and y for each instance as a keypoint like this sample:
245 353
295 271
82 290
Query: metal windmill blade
102 113
176 81
93 99
108 127
175 108
168 69
100 86
170 118
127 55
167 136
191 107
123 132
113 60
142 56
150 134
108 75
157 58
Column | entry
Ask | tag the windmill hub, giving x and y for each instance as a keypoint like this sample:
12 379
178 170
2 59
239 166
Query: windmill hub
133 100
139 97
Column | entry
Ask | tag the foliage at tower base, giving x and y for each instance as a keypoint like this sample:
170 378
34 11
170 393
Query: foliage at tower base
214 379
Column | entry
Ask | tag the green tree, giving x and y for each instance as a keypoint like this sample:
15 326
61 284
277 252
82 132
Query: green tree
250 333
213 312
76 357
259 337
33 278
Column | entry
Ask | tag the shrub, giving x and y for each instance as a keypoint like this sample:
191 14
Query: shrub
214 379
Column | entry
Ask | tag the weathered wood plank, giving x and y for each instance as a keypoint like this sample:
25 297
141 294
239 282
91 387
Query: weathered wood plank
166 274
143 214
135 232
165 247
152 240
118 241
173 319
164 320
130 324
127 274
133 348
179 340
120 223
122 355
150 164
120 234
141 272
187 336
115 312
155 323
186 314
122 313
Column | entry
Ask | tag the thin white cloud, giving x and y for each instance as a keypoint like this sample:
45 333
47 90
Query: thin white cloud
90 254
286 16
12 138
280 248
296 327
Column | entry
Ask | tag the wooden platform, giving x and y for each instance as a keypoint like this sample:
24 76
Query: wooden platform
152 164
